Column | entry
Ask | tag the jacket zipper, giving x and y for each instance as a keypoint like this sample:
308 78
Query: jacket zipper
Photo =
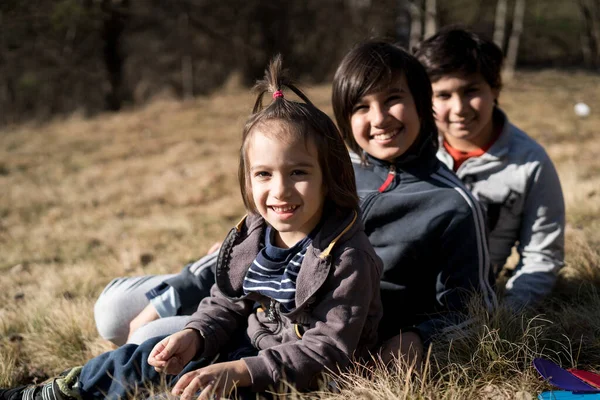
366 203
272 316
388 180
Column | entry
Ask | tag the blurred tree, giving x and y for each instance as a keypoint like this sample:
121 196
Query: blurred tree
590 11
500 23
60 56
115 17
515 36
430 18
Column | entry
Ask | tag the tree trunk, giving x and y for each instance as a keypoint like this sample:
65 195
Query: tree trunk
430 18
187 67
402 22
500 23
416 26
115 19
515 37
590 11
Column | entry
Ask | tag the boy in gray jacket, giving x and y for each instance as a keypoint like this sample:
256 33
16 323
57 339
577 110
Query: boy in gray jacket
509 172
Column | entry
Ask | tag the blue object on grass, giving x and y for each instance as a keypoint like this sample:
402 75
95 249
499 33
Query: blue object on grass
562 378
566 395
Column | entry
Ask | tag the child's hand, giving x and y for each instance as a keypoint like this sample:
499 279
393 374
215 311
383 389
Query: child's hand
173 353
217 379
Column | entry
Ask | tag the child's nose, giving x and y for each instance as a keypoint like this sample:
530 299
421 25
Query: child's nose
281 187
459 104
378 115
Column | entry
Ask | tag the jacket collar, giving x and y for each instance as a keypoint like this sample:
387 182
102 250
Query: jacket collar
243 243
500 147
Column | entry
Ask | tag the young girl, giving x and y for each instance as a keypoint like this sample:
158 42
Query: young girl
297 282
426 227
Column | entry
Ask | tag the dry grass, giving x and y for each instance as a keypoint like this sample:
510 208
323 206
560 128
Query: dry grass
144 191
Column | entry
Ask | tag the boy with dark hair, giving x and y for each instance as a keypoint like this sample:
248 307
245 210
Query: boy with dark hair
509 172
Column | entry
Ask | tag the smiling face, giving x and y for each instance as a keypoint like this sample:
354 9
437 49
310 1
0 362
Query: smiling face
286 182
463 106
386 123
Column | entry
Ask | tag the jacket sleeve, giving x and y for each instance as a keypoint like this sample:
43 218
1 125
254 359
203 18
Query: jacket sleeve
181 294
465 270
217 318
541 238
338 319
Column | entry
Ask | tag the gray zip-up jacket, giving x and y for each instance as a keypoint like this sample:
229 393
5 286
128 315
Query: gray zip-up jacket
338 307
518 186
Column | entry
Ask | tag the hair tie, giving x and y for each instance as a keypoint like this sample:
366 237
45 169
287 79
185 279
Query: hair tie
277 93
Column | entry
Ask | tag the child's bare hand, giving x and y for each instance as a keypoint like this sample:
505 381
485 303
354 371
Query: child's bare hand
173 353
217 379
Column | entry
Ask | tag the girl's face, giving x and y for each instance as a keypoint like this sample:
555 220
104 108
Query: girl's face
463 108
386 123
286 182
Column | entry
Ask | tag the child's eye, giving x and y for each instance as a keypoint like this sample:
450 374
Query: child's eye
442 96
359 107
261 174
299 172
472 90
393 99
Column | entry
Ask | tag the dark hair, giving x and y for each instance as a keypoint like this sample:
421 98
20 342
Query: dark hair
304 121
370 67
456 50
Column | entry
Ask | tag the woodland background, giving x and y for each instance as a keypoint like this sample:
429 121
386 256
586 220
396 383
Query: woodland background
62 56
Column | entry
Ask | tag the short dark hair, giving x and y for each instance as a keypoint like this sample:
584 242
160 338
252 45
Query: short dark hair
370 67
303 121
455 50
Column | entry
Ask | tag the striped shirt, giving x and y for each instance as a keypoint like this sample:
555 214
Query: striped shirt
275 270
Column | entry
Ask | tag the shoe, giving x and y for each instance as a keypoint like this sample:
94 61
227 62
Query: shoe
46 391
12 394
62 388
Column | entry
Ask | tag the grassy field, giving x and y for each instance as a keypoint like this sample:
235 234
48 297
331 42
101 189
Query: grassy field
145 191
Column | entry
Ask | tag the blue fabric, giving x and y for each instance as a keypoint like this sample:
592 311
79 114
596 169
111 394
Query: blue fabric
119 373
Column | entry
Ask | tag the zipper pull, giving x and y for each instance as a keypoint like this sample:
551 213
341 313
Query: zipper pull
271 314
389 179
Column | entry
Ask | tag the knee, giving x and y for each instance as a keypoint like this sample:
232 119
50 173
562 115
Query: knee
109 320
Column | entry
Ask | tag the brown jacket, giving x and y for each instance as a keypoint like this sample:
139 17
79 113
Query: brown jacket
338 307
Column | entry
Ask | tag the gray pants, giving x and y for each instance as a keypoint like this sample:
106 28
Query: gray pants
121 301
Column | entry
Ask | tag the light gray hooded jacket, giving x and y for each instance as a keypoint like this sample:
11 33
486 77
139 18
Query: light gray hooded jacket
517 184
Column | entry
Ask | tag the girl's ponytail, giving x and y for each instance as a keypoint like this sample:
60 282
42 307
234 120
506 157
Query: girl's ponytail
275 80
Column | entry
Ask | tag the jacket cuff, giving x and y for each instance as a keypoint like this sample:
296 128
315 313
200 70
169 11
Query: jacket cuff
211 346
259 373
165 300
